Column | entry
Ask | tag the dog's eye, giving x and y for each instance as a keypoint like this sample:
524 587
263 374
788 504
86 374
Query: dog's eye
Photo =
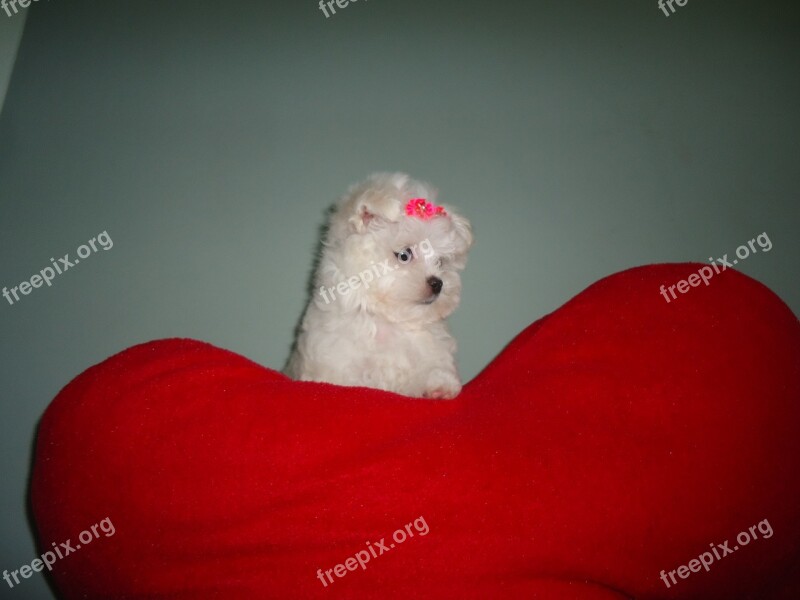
404 256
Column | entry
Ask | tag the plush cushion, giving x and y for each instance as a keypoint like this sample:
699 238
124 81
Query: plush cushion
617 437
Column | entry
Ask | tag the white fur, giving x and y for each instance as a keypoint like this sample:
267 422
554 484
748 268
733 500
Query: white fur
391 335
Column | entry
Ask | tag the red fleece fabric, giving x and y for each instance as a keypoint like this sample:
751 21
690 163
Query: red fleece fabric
615 438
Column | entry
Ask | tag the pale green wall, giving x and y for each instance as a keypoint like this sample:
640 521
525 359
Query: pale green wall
580 137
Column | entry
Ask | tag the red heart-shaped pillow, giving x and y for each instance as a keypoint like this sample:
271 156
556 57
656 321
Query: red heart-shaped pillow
619 437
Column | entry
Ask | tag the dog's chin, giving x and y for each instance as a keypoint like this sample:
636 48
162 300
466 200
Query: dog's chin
443 306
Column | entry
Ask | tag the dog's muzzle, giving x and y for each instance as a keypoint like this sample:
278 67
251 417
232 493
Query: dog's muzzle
435 284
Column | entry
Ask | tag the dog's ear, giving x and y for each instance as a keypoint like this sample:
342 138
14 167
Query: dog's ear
463 228
364 216
373 207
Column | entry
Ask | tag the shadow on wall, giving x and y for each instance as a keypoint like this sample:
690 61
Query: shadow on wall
10 36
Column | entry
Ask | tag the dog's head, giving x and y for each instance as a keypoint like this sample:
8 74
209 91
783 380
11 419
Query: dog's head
391 251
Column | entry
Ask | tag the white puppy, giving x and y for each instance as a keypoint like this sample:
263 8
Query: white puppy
386 280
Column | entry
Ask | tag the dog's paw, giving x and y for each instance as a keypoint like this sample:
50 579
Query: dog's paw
441 394
442 385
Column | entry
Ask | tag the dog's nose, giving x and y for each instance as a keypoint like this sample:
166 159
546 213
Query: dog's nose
436 284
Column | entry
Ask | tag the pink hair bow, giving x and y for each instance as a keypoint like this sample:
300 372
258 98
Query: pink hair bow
422 209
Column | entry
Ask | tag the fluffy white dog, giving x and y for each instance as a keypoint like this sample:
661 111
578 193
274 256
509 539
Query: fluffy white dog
387 278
